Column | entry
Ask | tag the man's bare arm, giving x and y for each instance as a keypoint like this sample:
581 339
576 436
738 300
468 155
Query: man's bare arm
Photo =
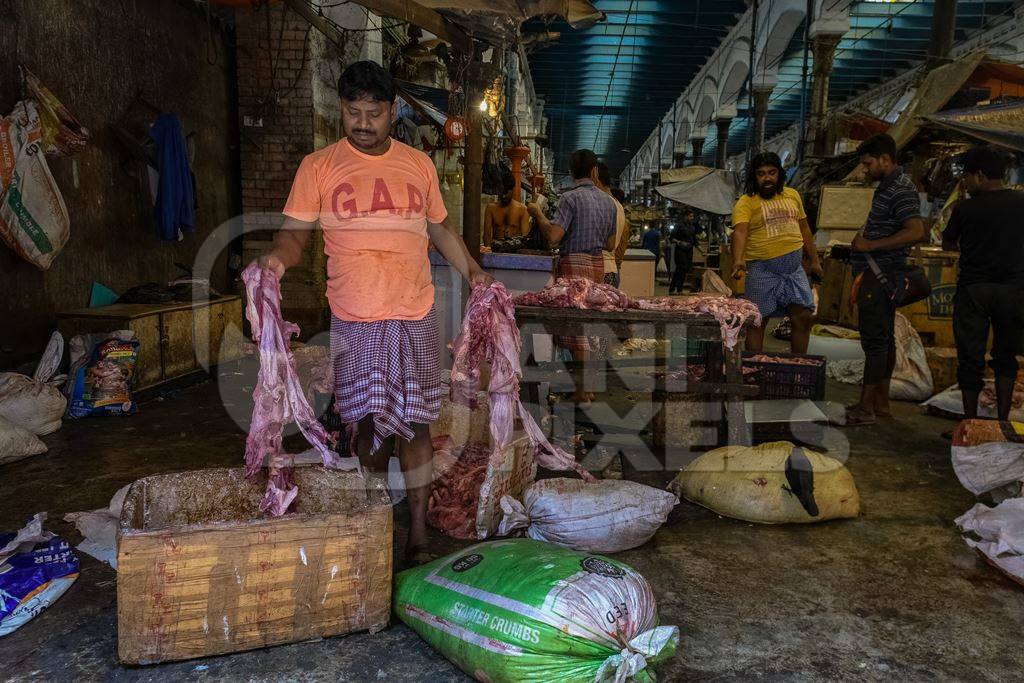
454 250
912 232
739 248
553 233
289 243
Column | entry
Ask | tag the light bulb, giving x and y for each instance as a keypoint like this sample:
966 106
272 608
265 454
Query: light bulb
483 105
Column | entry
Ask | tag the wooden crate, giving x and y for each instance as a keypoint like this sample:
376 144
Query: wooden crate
174 339
202 572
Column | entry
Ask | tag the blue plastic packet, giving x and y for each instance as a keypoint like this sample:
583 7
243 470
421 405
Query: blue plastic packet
103 385
31 581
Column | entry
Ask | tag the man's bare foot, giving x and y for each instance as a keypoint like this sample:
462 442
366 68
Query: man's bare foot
857 416
415 555
583 397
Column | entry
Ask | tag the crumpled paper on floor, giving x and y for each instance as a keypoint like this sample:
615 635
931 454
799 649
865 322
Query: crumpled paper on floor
26 538
99 528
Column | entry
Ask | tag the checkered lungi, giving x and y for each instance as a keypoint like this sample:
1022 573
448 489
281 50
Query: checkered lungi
774 284
387 368
591 267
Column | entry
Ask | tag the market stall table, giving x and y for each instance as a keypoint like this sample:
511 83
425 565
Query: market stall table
724 379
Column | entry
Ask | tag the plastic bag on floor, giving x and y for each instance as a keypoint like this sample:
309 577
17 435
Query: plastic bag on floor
35 403
100 380
36 568
606 516
522 610
988 456
998 534
772 483
950 403
17 443
911 378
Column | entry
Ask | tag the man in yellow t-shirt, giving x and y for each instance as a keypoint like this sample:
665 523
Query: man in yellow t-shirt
770 232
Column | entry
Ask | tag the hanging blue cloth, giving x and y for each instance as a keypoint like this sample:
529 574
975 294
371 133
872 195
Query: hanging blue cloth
175 196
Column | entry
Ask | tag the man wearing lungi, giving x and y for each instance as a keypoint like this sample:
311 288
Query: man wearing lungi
379 205
583 226
769 233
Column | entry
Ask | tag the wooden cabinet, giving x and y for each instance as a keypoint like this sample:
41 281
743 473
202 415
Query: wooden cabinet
174 339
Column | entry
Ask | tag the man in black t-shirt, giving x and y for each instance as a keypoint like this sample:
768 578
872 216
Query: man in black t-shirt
989 233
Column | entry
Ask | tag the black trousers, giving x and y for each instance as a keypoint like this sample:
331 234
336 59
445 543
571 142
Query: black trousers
976 309
877 323
683 261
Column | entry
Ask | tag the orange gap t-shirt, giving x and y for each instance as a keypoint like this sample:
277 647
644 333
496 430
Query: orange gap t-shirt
373 211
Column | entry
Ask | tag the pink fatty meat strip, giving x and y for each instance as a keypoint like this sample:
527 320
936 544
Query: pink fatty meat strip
278 397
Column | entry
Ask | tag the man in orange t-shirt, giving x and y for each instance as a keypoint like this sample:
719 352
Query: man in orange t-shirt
379 205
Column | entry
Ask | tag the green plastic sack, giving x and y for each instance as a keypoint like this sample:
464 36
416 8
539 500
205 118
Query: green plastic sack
523 610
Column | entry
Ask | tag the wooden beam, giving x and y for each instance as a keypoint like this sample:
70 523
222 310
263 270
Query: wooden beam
427 19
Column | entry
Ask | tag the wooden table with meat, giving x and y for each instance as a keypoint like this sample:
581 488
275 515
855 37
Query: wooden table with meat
724 379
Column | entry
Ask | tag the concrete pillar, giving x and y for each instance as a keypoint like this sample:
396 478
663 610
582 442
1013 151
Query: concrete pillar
722 148
824 48
698 150
646 192
943 31
761 96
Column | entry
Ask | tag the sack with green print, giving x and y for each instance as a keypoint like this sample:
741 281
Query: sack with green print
522 610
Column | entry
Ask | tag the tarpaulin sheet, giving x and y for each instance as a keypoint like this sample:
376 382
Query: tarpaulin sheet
1001 124
705 189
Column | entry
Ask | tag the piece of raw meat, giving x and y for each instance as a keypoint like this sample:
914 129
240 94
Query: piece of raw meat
577 292
731 313
489 334
455 494
278 397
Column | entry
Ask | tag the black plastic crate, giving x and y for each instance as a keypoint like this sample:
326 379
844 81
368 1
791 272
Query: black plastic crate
787 380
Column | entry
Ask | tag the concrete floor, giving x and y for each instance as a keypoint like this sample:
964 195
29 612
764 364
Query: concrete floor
894 594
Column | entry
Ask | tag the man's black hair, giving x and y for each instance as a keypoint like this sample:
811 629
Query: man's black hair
581 163
619 195
366 80
760 160
508 186
603 174
987 159
877 145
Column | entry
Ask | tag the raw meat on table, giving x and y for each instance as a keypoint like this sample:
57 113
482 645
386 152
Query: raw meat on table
278 397
787 360
489 334
731 313
577 292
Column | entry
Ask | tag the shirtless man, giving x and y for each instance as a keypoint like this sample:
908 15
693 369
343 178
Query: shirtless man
506 218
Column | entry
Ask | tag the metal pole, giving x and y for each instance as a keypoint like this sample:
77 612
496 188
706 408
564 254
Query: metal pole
472 189
808 18
750 79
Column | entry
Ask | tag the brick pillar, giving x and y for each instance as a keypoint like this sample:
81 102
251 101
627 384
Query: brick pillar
288 107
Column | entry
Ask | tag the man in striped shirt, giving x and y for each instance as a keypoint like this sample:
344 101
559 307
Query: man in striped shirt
893 225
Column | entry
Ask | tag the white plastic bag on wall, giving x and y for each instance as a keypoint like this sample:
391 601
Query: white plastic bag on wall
34 220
